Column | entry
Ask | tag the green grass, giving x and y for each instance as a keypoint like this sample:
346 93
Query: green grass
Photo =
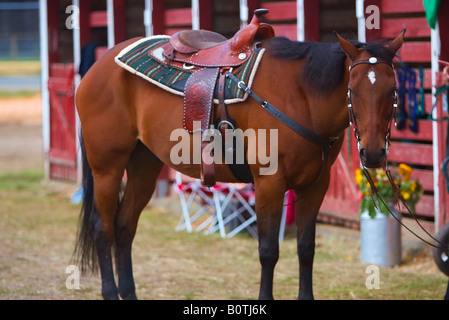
20 180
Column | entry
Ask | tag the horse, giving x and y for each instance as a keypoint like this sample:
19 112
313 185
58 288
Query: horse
126 123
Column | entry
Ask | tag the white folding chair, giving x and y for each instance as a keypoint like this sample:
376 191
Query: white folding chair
197 205
227 207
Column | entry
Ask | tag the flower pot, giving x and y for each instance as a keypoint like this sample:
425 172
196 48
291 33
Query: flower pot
380 238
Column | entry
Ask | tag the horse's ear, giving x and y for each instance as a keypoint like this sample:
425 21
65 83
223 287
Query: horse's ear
351 51
397 42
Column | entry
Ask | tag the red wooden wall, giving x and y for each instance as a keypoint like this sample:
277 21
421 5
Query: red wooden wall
171 19
415 149
283 17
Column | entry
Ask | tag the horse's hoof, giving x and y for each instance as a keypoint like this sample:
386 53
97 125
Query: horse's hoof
129 296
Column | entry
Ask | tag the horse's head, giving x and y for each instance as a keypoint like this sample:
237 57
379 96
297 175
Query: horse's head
372 96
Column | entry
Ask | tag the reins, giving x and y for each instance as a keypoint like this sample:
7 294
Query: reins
374 190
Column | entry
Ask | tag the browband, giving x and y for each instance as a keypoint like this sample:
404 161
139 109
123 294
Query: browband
372 60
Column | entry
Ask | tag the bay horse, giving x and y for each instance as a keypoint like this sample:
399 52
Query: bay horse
126 124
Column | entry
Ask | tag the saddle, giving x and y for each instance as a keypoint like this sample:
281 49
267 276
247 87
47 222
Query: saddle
209 55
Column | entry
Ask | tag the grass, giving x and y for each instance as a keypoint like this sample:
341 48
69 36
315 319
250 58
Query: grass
20 181
39 224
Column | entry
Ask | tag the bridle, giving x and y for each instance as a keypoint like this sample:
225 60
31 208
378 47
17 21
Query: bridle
374 190
352 120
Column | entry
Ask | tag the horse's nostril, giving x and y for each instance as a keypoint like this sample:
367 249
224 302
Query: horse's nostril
363 153
372 160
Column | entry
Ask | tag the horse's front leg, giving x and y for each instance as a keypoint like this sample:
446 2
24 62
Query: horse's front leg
269 200
307 208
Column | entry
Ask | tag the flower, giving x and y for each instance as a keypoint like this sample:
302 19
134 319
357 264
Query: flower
405 171
358 176
410 191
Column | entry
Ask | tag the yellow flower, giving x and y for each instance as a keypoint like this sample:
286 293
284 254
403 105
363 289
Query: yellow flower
358 177
405 195
405 171
380 173
413 186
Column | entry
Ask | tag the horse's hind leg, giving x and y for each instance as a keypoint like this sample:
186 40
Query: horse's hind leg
142 171
106 190
108 163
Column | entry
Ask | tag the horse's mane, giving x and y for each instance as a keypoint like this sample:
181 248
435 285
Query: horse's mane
324 69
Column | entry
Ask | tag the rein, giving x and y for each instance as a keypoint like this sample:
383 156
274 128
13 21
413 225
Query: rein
374 190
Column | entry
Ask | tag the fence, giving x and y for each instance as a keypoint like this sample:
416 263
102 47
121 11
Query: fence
19 30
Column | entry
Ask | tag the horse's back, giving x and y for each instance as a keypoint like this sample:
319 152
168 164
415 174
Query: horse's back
103 68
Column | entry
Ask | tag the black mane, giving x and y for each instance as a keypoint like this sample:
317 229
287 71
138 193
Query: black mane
324 69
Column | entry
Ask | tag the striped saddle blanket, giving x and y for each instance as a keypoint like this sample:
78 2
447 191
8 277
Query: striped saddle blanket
144 58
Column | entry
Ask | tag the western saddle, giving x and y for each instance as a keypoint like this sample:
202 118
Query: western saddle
209 55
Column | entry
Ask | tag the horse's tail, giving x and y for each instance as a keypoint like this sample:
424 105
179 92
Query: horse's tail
85 253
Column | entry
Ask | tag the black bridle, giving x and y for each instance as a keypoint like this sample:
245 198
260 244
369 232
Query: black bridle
374 190
352 120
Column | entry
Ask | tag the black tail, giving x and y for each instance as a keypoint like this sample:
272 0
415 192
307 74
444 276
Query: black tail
85 253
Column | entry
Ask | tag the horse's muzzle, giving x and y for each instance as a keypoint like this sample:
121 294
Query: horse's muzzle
372 159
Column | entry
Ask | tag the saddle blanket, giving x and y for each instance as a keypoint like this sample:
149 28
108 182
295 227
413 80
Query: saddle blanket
140 58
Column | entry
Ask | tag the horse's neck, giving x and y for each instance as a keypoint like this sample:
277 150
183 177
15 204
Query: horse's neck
329 113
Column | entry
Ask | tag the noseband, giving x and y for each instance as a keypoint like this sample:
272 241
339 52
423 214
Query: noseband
352 121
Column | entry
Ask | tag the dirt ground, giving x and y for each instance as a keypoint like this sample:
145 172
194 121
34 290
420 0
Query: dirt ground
38 227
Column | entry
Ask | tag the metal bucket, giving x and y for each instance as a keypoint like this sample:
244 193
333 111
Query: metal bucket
380 239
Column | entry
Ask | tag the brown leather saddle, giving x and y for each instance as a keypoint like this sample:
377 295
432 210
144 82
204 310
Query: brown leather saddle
209 55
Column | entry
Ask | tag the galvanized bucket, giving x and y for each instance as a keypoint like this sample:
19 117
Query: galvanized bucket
380 239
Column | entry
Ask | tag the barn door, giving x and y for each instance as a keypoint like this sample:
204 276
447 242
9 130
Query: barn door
341 204
62 153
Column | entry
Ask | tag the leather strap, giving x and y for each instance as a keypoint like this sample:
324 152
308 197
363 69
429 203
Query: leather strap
207 169
325 144
372 60
292 124
198 98
221 104
241 172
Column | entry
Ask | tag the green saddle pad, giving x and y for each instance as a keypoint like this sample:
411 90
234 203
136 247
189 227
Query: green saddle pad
136 58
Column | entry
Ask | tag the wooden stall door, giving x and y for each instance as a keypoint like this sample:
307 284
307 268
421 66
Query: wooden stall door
62 154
